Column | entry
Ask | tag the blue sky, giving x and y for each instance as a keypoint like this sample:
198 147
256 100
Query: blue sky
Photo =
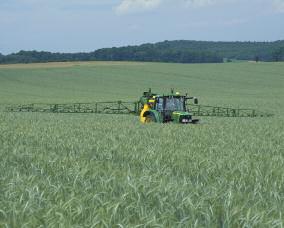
86 25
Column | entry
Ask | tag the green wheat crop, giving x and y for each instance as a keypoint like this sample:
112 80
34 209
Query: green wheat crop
87 170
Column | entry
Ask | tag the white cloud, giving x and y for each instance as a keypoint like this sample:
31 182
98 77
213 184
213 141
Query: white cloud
133 6
129 6
278 5
203 3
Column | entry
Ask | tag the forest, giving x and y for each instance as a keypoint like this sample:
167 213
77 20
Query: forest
179 51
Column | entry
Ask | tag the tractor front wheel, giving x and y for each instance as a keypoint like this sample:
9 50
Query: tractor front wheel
150 119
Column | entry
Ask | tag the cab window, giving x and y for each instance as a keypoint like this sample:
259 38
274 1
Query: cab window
175 104
160 102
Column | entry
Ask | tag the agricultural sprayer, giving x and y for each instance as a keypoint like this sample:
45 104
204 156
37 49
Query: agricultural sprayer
151 107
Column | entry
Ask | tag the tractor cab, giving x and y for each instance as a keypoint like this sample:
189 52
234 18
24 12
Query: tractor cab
167 105
165 108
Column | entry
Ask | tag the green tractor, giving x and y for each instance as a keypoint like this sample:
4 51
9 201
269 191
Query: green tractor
166 108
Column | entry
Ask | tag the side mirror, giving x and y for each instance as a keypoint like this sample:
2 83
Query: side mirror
195 100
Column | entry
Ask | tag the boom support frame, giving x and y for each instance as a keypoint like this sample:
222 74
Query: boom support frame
121 107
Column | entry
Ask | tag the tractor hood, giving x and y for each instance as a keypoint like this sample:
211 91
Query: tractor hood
180 113
181 117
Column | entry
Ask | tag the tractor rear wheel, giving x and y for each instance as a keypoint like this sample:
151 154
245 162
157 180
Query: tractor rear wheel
150 119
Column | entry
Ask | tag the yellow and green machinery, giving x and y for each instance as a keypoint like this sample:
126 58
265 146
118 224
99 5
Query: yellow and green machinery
152 107
166 108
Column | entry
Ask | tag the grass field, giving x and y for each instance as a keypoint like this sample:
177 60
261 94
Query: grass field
87 170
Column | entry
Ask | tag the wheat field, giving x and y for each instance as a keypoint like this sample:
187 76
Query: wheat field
88 170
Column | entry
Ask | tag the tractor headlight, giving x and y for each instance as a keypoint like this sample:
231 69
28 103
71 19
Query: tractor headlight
185 119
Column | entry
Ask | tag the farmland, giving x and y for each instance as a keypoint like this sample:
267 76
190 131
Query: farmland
85 170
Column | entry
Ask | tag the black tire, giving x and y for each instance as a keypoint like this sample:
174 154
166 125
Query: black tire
150 118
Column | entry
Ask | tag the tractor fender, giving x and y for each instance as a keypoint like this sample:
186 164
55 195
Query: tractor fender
154 113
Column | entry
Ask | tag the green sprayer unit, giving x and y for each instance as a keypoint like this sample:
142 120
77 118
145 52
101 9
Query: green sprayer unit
166 108
151 107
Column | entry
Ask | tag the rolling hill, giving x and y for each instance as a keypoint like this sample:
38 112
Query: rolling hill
181 51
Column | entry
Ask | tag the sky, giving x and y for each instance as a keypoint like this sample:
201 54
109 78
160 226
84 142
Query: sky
87 25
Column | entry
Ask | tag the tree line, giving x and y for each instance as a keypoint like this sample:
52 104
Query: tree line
180 51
